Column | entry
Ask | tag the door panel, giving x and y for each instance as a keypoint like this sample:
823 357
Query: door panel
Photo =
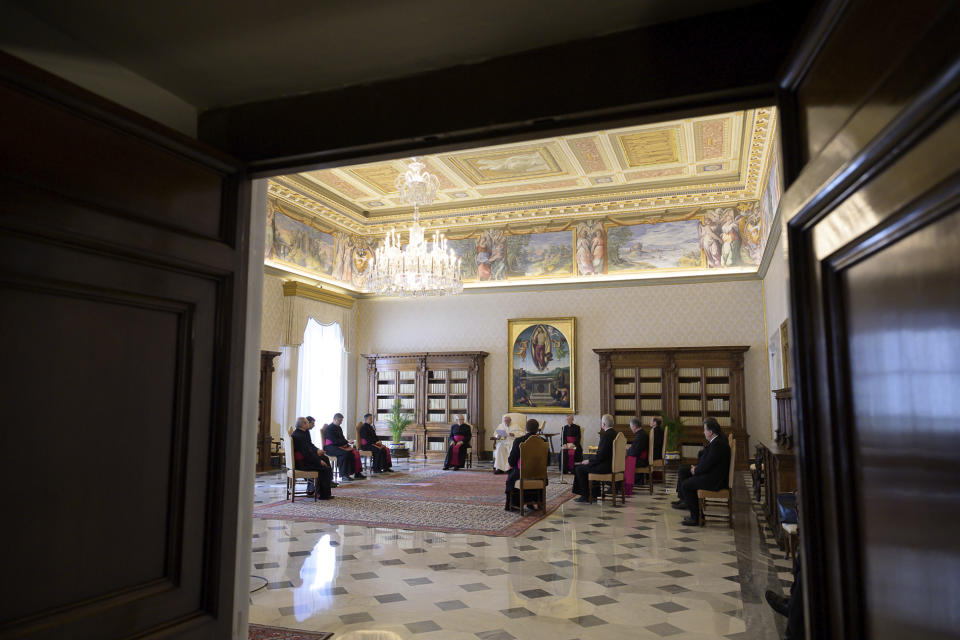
122 291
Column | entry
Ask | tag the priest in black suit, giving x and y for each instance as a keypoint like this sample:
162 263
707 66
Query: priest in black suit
306 457
712 472
513 475
370 441
336 444
600 463
571 434
457 444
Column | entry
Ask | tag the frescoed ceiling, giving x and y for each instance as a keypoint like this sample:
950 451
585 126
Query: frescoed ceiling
647 168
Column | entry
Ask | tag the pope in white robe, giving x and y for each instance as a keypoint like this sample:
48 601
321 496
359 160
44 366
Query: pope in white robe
505 434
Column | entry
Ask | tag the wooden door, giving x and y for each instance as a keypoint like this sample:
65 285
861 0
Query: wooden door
874 246
122 305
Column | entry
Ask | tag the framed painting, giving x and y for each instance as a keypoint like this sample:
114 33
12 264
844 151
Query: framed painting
541 369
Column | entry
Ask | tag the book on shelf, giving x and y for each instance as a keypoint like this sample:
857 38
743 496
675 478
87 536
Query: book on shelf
459 374
458 387
435 445
625 404
689 372
623 373
386 389
408 375
438 387
623 388
718 372
437 403
650 372
408 403
408 388
718 404
650 387
691 420
716 387
439 374
650 404
688 387
723 421
689 404
458 404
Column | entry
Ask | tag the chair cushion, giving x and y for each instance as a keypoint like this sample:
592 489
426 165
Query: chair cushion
723 494
789 529
601 477
298 473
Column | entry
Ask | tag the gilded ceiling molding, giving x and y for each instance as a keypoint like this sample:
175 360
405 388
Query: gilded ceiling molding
303 290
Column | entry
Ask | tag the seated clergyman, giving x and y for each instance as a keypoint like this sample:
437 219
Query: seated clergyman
335 444
600 463
308 458
711 472
505 434
368 440
532 428
458 443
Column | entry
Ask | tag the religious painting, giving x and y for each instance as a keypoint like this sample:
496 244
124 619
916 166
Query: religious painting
662 245
540 255
541 373
590 247
785 352
302 245
491 255
354 259
466 250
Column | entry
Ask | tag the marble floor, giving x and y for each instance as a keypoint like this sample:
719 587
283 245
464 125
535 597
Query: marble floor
585 571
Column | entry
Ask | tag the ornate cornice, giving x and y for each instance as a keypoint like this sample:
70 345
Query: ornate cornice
303 290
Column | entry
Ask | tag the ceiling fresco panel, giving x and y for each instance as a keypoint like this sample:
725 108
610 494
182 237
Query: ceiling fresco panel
651 147
502 165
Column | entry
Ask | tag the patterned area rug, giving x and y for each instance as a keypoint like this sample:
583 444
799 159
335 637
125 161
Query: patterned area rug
260 632
420 499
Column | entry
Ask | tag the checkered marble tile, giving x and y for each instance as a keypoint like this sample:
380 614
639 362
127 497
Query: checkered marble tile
641 575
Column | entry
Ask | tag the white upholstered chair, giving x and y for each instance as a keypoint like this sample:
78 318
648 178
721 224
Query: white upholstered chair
617 466
294 474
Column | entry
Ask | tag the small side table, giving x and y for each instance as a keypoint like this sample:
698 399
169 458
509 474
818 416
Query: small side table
398 454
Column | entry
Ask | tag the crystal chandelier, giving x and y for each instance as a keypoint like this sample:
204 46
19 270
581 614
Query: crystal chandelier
419 268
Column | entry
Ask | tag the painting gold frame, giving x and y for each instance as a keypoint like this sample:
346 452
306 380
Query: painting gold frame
567 327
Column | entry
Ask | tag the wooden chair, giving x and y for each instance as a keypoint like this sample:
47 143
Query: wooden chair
617 466
366 457
533 472
294 474
653 464
791 533
723 495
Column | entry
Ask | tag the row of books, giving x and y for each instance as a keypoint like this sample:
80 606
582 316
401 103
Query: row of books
715 387
386 404
458 404
718 404
408 388
646 372
458 387
718 372
688 387
623 388
436 403
624 404
688 372
408 375
650 404
386 389
438 387
696 421
689 404
436 445
650 387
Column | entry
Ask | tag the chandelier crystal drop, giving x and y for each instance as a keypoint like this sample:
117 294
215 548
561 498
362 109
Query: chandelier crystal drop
419 268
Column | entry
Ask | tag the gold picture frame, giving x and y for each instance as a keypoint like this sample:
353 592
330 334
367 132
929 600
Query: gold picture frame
541 365
785 361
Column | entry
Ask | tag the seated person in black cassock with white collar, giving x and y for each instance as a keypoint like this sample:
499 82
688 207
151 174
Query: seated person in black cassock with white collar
308 458
335 444
600 463
571 449
370 441
514 461
457 444
711 472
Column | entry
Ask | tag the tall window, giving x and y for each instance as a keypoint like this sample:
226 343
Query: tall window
322 361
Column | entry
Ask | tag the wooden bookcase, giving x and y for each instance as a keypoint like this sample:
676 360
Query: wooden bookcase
692 383
433 388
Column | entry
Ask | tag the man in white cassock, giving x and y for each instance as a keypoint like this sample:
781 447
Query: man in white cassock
505 434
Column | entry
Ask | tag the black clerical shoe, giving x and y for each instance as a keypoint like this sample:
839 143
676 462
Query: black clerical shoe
446 468
334 485
387 471
583 499
359 476
457 468
689 522
682 506
778 603
678 503
497 472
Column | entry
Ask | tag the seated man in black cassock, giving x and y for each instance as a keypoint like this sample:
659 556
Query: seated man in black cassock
639 449
457 444
711 472
335 444
308 458
514 461
571 449
370 441
600 463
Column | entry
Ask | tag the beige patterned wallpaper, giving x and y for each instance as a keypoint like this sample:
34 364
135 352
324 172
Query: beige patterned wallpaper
271 329
723 313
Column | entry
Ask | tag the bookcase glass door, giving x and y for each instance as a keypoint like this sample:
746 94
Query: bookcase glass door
717 394
386 393
437 395
650 392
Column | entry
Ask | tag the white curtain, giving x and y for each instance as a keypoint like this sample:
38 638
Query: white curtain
322 359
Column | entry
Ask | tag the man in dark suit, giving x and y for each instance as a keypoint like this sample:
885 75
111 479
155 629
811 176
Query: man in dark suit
513 475
710 473
600 463
337 445
308 458
370 441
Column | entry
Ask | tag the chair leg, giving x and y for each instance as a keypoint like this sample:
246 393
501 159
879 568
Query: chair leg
703 506
730 510
623 490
